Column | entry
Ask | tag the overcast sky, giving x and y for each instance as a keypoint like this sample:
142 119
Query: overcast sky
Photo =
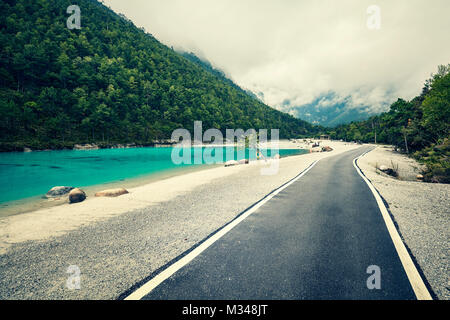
299 50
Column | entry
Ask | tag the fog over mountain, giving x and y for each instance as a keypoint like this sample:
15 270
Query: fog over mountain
307 51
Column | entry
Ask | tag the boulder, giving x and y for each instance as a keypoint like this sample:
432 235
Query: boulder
231 163
25 149
326 149
112 192
419 177
77 195
384 168
57 192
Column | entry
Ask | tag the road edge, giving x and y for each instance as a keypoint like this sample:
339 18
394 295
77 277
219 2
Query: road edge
414 277
144 287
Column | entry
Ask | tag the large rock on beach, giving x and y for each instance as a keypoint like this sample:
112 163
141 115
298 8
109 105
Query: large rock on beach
112 192
231 163
58 191
77 195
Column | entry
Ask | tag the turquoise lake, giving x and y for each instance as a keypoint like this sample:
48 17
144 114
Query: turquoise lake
24 175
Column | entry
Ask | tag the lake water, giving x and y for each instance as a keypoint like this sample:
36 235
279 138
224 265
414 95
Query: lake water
25 175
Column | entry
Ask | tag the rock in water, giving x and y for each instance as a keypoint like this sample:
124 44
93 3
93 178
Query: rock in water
77 195
59 191
112 192
85 147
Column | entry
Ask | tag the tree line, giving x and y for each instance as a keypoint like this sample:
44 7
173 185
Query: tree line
419 127
109 82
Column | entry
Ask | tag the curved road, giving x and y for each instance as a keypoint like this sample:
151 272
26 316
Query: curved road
313 240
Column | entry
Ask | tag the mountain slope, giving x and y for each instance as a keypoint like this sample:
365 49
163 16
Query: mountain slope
328 110
330 116
109 82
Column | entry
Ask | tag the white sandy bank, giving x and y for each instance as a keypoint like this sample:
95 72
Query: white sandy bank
55 221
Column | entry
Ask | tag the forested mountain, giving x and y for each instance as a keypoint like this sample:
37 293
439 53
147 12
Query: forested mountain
109 82
420 127
332 115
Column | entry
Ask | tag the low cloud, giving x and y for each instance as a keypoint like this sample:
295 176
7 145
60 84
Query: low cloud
299 51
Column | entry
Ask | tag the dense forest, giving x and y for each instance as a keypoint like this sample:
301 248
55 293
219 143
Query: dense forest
419 127
109 82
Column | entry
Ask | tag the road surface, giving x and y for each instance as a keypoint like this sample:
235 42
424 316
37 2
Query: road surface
313 240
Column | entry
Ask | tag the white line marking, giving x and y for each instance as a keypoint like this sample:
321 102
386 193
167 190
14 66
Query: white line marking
420 290
166 273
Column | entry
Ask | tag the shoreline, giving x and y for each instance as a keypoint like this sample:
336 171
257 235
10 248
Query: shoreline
8 147
117 241
40 202
59 220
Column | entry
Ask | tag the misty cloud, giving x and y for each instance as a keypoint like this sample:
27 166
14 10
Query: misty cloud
299 51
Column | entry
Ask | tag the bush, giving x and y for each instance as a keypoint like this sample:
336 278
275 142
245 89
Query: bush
436 159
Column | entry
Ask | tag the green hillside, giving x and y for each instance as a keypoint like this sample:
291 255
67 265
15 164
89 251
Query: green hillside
109 82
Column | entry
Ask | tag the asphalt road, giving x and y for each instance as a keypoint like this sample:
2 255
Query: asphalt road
314 240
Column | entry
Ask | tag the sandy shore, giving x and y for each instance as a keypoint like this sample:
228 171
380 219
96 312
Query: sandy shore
420 211
40 203
58 220
115 241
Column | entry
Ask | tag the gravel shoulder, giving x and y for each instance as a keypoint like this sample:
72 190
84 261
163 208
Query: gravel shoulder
116 243
420 211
